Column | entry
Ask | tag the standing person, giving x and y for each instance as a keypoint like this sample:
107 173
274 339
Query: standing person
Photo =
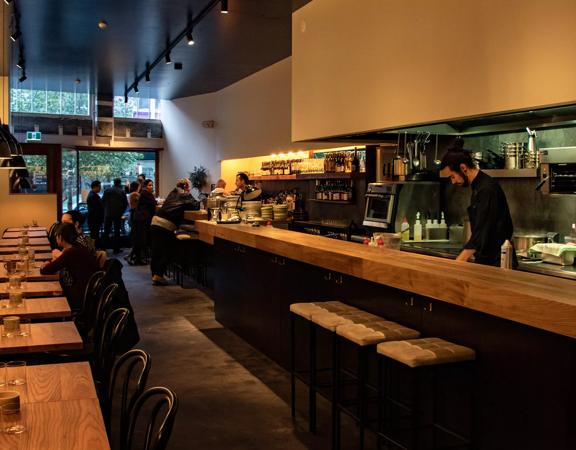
133 196
145 210
242 181
490 220
95 212
115 204
164 224
141 180
79 262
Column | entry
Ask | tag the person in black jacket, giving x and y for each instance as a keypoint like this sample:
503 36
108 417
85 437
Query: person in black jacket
95 212
164 224
143 213
115 204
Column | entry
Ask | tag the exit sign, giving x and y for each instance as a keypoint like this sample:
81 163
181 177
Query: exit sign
33 136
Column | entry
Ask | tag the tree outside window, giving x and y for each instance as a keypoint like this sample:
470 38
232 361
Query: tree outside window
50 102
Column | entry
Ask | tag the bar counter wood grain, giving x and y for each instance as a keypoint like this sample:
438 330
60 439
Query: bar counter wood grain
536 300
18 234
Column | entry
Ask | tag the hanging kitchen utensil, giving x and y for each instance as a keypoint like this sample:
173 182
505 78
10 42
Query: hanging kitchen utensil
437 162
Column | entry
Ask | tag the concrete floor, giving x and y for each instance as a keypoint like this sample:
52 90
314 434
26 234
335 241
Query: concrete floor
231 396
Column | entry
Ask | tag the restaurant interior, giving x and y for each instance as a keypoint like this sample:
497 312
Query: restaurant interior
288 224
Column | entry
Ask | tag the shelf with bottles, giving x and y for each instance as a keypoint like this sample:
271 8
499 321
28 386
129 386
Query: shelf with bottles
334 191
310 176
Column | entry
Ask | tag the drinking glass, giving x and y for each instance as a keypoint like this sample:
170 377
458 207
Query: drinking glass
31 257
12 419
25 328
2 374
15 299
15 373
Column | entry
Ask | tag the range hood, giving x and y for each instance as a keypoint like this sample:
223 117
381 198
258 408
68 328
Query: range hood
546 118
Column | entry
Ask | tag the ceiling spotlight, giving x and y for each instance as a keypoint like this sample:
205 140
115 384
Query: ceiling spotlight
77 81
20 63
167 58
7 1
178 66
147 75
23 78
102 24
136 90
190 38
224 6
16 35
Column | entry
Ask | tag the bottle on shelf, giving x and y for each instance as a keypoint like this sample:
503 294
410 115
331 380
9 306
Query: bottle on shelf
506 255
355 166
405 230
428 229
442 227
418 228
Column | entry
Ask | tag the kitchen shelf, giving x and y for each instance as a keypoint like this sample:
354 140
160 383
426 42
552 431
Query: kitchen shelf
336 202
511 173
311 176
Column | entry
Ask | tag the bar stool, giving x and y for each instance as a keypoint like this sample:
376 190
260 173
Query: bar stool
364 333
326 315
421 355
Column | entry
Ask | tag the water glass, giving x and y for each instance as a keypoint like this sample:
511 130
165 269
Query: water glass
2 374
16 373
25 327
15 299
12 418
31 257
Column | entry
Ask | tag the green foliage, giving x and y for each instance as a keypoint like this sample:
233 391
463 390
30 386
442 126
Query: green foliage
198 177
50 102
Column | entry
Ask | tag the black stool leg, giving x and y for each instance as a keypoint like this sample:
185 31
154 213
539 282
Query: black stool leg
415 441
293 365
362 371
313 380
380 399
336 393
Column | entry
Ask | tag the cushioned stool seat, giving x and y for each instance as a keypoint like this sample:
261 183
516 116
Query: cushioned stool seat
332 320
306 310
370 333
425 352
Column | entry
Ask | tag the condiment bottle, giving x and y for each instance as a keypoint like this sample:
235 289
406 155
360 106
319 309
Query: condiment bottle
405 230
506 255
443 233
418 228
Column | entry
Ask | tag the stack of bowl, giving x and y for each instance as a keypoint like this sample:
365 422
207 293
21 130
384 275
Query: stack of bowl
267 213
280 212
251 209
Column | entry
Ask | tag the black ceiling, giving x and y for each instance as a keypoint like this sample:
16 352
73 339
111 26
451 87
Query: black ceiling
62 42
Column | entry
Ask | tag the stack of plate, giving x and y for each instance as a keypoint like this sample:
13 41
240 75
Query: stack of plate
252 209
280 212
267 213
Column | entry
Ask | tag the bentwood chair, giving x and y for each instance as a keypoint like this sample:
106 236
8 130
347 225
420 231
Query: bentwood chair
91 297
106 349
127 383
100 311
163 405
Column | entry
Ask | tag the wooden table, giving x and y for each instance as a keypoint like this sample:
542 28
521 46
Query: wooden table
44 337
18 234
36 289
32 242
45 256
61 410
40 308
33 274
12 229
14 250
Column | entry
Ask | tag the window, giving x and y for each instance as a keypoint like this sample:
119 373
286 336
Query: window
50 102
37 180
137 108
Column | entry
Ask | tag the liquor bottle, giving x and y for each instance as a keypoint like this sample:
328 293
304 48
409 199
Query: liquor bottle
355 162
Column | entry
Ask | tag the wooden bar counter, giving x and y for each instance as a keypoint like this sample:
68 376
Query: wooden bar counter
521 325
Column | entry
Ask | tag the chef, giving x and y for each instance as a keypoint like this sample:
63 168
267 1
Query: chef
490 221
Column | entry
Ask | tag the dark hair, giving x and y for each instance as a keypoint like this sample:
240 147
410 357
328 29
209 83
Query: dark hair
117 182
243 177
67 232
143 175
134 186
456 155
95 183
77 216
147 181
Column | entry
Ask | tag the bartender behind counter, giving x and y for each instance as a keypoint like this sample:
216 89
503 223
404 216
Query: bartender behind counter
490 221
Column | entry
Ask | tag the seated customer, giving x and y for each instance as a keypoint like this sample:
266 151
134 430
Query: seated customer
79 262
77 219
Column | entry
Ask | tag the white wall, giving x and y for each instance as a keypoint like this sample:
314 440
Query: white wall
187 143
253 117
